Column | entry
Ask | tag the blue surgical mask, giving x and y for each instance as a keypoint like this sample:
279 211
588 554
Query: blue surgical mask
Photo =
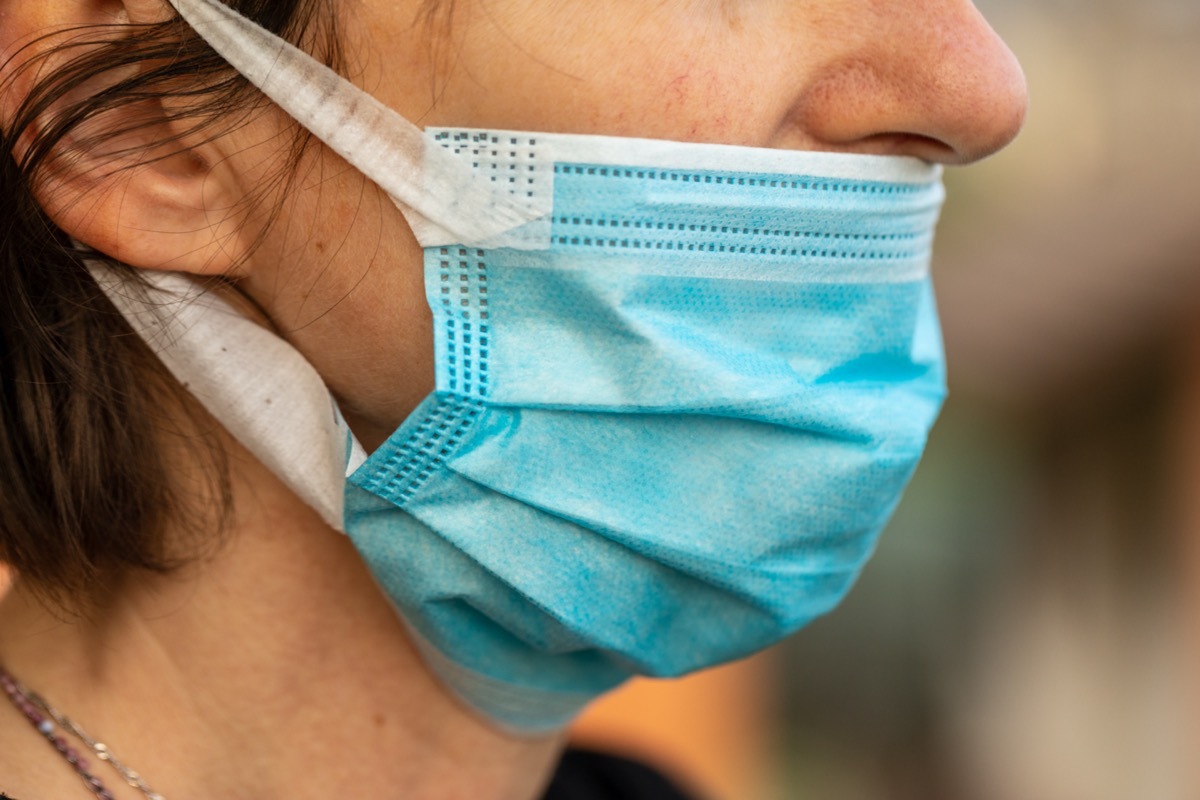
680 389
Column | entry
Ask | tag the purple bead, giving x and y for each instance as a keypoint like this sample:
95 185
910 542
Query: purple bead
83 764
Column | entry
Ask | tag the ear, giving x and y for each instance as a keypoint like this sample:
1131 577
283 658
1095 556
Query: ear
129 181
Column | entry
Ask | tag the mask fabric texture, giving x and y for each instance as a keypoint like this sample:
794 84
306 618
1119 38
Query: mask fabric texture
680 389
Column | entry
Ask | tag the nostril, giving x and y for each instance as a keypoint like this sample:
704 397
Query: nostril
909 144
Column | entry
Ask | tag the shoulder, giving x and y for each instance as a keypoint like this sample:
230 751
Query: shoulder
587 775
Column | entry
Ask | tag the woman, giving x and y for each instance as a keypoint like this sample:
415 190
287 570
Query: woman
606 406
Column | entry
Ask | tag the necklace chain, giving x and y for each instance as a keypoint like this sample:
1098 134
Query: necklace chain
44 716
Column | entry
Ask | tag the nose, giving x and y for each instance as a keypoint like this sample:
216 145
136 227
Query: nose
934 81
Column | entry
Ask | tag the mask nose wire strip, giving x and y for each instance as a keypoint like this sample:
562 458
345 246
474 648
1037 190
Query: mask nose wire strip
382 144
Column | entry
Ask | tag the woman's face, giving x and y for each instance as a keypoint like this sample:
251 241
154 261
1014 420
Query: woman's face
926 78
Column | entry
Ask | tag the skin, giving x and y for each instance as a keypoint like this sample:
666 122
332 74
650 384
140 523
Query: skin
195 676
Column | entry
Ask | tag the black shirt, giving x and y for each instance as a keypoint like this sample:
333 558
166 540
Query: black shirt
586 775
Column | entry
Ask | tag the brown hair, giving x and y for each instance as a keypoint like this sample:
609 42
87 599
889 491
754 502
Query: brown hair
86 486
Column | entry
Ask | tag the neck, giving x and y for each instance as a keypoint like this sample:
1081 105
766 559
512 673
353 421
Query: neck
274 668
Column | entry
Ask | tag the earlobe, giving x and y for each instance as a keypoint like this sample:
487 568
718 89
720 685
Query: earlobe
130 177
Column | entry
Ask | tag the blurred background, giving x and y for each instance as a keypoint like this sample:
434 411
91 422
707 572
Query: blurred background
1027 630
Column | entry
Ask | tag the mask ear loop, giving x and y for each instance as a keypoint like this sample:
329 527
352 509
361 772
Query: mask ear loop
443 199
260 388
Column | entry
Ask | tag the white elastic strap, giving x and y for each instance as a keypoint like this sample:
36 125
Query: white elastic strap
261 389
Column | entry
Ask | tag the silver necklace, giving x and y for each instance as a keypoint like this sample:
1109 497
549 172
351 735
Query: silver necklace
44 717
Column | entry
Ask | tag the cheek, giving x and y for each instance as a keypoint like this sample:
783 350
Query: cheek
685 71
341 278
688 99
375 344
685 96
